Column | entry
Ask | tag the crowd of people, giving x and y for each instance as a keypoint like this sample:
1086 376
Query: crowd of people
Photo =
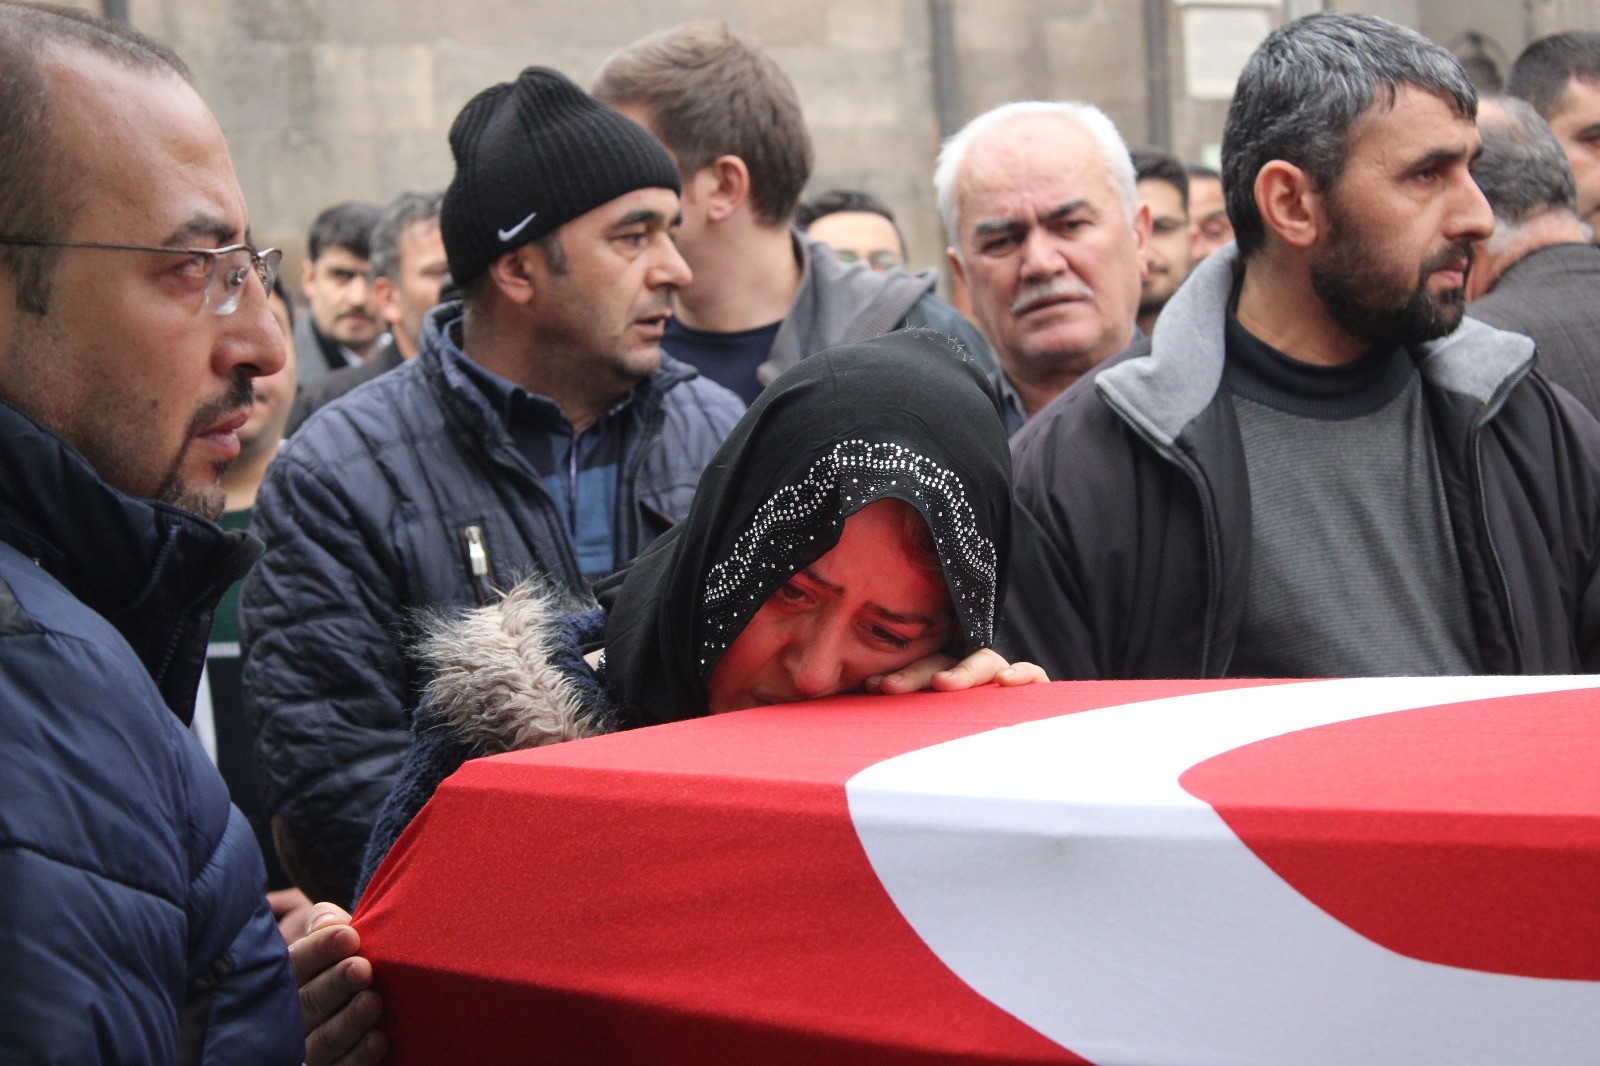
614 430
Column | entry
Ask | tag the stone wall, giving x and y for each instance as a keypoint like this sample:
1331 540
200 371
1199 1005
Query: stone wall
324 100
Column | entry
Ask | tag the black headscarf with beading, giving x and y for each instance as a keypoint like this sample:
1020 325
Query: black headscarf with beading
908 416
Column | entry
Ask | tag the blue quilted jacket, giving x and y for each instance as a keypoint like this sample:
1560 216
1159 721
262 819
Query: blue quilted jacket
133 926
405 498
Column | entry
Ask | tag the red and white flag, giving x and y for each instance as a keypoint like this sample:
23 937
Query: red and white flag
1383 871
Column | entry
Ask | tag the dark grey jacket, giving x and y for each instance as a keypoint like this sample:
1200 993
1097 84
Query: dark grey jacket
1552 294
323 390
407 495
842 303
1132 545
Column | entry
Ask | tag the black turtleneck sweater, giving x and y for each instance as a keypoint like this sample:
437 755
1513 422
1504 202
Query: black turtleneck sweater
1353 566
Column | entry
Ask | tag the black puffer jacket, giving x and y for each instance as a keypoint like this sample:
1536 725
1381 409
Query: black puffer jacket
408 494
1132 546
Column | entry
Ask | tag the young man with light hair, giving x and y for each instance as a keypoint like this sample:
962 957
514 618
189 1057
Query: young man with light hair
764 295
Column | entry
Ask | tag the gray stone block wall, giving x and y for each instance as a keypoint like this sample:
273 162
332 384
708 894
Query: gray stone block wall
325 100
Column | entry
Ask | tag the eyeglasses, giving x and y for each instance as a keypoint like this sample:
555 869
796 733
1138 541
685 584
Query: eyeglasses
880 260
225 268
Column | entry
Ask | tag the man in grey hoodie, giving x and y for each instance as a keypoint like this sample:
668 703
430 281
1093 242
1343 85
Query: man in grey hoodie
764 295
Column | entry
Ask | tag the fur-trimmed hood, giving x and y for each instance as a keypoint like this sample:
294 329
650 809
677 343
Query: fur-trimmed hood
511 676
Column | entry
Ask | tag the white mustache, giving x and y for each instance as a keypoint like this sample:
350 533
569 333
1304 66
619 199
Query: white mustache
1054 289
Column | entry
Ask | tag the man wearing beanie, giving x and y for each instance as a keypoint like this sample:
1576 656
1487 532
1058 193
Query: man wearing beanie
539 430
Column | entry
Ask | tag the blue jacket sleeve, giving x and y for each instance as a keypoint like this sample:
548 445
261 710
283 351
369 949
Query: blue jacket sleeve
125 875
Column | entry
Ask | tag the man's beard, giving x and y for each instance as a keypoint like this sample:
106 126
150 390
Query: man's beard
207 501
1153 305
1349 281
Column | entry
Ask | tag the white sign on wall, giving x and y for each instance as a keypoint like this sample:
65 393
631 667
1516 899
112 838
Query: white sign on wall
1216 42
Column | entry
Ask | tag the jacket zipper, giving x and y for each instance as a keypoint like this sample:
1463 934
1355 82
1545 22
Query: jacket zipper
1474 439
476 550
650 431
499 449
1208 519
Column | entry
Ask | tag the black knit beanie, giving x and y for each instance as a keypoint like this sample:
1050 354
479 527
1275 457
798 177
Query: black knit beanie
532 155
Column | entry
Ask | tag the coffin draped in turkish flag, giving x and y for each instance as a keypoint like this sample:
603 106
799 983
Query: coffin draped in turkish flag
1394 870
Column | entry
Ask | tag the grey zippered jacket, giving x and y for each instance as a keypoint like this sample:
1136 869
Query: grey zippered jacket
840 303
1132 545
408 495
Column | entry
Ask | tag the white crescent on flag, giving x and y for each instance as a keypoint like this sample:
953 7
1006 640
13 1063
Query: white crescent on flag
1060 870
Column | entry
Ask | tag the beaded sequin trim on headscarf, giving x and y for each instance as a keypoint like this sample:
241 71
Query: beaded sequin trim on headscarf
852 475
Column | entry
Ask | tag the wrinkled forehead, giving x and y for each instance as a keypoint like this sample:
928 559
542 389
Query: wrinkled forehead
1029 161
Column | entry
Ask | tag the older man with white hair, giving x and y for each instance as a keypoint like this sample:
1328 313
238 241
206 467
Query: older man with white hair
1046 230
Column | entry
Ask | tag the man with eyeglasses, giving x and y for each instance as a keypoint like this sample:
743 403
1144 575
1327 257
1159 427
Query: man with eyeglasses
133 318
1161 182
856 226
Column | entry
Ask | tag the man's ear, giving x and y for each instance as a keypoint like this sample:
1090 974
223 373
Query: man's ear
307 271
522 274
723 186
1485 270
1141 239
1290 205
958 269
386 295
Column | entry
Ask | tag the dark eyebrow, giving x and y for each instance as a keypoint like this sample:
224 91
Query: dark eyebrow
642 217
199 228
882 612
1437 157
902 619
811 576
1002 227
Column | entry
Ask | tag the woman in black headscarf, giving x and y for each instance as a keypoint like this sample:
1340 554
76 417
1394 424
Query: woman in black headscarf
792 577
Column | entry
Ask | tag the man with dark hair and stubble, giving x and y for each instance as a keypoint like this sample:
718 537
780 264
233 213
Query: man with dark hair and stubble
408 267
343 327
1537 273
1209 228
1317 467
1560 76
539 431
764 295
133 320
1163 184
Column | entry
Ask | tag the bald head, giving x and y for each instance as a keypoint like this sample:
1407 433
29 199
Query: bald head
42 192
